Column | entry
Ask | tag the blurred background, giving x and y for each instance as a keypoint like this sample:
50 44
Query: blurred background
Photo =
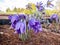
8 7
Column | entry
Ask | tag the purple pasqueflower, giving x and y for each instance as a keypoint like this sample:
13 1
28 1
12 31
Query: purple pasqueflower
35 25
49 4
54 16
13 25
40 6
20 27
9 17
31 21
22 16
14 19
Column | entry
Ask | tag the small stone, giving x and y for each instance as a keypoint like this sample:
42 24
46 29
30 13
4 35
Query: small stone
1 32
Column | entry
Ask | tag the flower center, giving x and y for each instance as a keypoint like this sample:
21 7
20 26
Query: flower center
48 3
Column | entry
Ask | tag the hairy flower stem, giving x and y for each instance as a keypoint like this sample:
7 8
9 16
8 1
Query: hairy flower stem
25 35
22 36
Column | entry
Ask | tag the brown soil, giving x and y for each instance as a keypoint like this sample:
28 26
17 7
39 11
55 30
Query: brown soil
41 38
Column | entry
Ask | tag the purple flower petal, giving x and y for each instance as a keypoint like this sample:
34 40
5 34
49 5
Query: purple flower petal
14 18
18 31
13 25
49 4
22 16
40 6
9 17
20 26
31 21
35 25
54 16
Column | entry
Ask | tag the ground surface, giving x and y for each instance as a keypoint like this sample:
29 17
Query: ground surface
41 38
